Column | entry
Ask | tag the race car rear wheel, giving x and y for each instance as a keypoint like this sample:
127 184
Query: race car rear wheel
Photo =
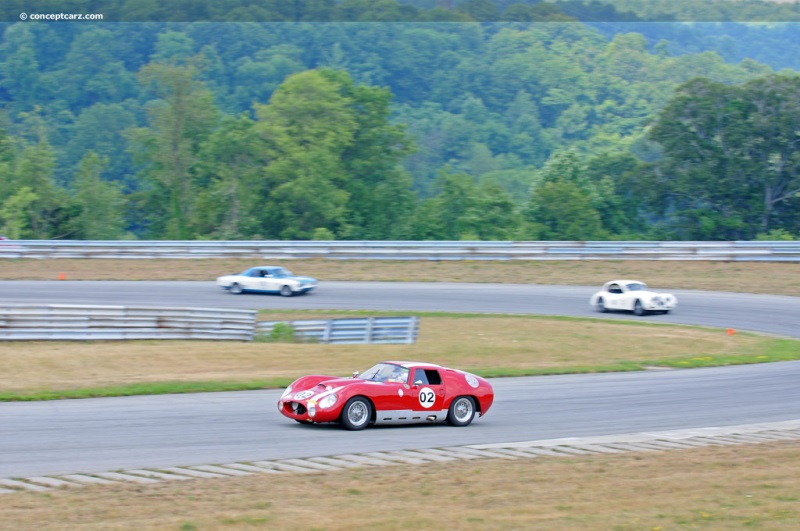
236 289
461 412
638 309
356 413
286 291
601 305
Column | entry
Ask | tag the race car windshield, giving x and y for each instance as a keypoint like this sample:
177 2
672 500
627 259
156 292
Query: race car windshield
385 372
637 287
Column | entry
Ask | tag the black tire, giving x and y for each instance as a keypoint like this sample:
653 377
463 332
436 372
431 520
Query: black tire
286 291
601 305
638 309
461 411
356 413
236 289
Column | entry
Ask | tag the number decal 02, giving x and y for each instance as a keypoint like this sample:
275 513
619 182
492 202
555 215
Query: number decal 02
427 397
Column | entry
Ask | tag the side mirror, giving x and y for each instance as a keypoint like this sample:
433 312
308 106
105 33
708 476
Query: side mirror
355 374
418 382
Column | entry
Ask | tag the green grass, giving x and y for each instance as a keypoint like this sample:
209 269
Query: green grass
154 388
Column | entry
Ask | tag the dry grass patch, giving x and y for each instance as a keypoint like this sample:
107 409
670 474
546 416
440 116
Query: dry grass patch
743 487
478 343
744 277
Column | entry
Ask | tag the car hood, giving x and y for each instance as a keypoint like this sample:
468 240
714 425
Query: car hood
650 293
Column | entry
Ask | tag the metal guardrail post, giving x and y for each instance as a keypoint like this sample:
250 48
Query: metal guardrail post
326 336
368 331
413 327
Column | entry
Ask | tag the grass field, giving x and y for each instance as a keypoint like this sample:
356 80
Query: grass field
740 487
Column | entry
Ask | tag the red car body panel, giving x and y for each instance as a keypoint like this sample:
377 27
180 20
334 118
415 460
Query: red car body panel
425 397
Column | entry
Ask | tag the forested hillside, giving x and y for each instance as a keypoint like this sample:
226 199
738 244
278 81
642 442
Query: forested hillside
427 125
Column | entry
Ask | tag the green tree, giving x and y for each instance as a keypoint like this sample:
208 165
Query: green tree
731 163
100 205
34 167
180 120
14 213
330 138
306 126
564 203
233 187
560 210
463 210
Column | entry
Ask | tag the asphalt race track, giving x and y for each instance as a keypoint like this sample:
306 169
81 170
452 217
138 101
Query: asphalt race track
763 313
93 435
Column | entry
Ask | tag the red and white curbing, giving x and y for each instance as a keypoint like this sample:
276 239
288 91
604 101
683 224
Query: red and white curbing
564 447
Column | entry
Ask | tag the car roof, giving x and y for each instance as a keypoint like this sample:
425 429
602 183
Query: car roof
414 364
624 282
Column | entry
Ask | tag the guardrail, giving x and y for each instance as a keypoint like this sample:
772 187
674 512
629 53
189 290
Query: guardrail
396 330
772 251
68 322
79 323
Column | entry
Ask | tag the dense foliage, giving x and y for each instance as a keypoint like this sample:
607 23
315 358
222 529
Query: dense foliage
435 128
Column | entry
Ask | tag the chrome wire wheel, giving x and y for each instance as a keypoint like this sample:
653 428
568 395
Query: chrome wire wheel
356 414
462 411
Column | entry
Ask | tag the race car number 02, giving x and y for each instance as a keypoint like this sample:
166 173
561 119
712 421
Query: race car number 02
426 397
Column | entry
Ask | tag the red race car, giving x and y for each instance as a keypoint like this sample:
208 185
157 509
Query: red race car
391 392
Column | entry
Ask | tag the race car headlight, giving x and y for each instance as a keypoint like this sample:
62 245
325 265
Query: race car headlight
287 392
312 411
328 401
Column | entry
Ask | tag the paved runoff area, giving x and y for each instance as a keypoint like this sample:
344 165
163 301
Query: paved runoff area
571 446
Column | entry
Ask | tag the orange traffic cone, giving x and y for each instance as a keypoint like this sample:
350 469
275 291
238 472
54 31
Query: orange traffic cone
731 331
62 276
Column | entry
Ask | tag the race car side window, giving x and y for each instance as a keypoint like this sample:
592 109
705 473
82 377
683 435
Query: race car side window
420 378
433 377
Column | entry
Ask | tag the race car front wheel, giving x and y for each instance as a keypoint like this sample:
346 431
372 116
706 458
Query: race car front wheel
356 413
461 412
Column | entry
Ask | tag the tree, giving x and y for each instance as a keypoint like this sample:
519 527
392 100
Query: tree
306 127
463 210
47 210
14 213
564 203
179 121
231 175
731 164
99 204
560 210
328 137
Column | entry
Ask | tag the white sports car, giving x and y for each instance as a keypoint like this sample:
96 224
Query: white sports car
267 279
632 295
